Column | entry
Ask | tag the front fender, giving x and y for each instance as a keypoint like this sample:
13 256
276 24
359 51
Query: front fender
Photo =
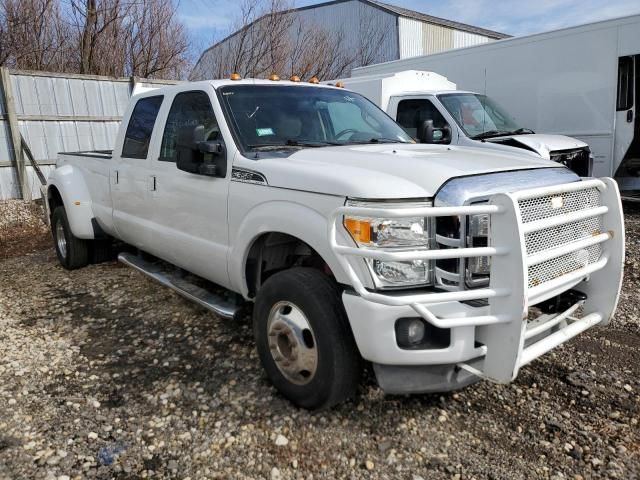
293 219
70 182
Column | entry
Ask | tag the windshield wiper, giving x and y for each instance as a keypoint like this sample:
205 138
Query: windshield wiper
291 144
490 133
375 140
521 131
271 146
322 143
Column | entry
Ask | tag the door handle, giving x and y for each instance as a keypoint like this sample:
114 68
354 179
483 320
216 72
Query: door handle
116 177
152 183
629 116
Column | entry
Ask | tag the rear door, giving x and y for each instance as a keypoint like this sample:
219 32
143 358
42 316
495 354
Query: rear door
130 173
189 211
627 126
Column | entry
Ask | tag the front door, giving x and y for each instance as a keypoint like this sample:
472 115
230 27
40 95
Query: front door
189 211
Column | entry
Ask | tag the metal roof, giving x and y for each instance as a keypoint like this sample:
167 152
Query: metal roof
405 12
392 9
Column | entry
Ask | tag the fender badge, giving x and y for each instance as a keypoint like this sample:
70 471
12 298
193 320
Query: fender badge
557 202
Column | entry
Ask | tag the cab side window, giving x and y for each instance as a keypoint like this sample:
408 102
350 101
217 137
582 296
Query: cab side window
189 109
140 128
411 114
625 84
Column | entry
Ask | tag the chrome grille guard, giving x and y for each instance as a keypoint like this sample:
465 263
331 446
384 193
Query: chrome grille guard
503 327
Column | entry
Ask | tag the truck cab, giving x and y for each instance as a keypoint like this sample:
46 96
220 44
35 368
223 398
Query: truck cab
431 110
440 265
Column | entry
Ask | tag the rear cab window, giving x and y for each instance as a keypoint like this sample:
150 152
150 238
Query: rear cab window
140 128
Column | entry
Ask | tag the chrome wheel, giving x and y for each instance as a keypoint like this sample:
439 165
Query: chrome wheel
292 343
61 240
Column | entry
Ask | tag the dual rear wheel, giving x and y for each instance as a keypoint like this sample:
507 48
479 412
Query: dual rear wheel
74 252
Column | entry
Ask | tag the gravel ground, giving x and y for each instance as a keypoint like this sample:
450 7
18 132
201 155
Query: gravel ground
22 228
104 374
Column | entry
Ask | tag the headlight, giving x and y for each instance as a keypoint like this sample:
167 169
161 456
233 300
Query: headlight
478 230
410 233
379 232
391 274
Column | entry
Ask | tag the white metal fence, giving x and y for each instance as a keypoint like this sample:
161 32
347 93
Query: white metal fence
44 113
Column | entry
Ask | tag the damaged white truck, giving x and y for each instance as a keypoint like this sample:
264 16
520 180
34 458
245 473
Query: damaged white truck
440 265
431 109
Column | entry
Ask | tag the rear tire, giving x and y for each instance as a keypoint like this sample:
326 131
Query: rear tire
304 339
72 252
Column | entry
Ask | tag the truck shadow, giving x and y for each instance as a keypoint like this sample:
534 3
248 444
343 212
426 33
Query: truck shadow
147 345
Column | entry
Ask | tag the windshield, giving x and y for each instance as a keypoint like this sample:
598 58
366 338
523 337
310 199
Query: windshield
478 115
267 117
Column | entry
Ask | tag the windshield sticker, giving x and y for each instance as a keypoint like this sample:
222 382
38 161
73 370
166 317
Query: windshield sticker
263 132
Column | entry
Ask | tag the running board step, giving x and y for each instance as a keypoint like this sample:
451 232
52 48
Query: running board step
202 297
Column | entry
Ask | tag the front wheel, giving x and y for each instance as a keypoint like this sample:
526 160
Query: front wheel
304 340
72 252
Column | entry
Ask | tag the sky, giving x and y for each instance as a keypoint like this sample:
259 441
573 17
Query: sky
208 20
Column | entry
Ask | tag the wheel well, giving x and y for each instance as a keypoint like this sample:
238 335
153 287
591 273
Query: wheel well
54 198
274 252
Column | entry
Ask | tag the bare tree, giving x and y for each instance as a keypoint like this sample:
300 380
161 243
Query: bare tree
156 43
6 48
36 35
270 36
88 35
259 44
100 34
371 38
315 51
104 37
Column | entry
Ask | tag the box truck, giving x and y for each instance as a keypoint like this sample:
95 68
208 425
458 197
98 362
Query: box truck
431 110
583 82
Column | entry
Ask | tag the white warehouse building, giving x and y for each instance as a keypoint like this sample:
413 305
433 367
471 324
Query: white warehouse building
407 33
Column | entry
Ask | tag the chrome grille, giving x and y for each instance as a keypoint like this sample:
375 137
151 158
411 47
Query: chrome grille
556 267
553 237
539 208
545 239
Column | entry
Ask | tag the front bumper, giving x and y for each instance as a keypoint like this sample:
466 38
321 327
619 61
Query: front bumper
495 340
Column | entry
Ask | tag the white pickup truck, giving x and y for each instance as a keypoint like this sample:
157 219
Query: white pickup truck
440 265
431 109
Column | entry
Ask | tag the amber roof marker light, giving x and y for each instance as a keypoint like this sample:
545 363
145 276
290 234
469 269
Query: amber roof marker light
235 76
273 77
314 80
294 78
340 84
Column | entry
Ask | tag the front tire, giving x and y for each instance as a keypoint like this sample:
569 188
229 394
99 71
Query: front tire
72 252
304 340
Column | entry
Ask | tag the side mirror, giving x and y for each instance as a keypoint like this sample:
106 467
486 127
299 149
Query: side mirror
197 155
427 133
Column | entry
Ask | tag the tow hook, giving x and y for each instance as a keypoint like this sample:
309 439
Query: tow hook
562 302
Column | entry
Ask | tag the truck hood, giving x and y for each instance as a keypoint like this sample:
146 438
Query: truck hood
540 143
388 171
